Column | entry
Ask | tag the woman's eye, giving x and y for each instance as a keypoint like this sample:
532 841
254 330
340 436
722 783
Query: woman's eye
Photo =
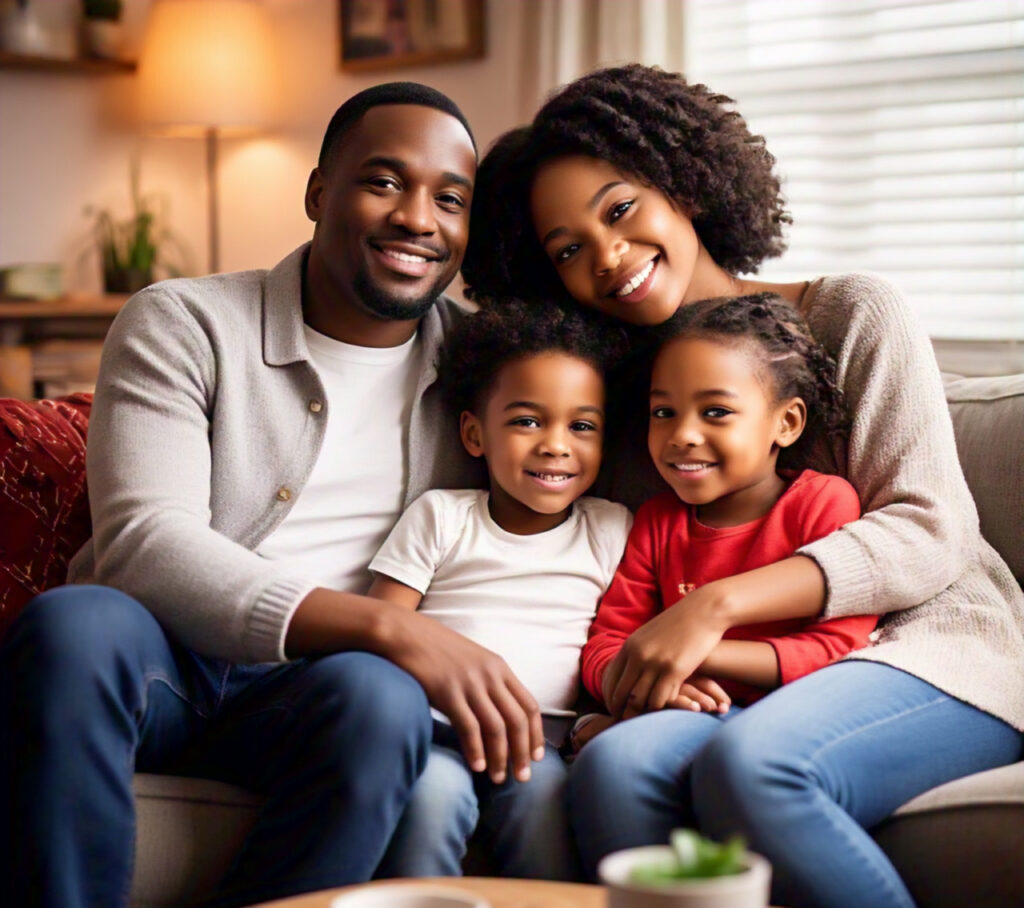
619 209
662 413
528 422
716 412
566 252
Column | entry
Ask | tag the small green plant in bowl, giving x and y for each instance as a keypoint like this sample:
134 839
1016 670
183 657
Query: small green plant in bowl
696 858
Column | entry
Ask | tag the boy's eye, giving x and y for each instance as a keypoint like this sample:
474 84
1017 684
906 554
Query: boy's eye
716 412
662 413
565 253
528 422
619 209
583 425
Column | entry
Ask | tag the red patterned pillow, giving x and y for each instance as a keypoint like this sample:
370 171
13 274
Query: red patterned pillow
44 510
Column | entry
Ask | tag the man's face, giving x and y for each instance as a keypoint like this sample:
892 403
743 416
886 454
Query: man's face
392 209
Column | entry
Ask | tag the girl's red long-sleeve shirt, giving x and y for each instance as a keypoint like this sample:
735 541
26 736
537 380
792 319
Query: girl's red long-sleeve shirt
670 553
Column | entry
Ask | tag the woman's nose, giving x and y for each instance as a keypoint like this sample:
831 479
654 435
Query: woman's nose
610 254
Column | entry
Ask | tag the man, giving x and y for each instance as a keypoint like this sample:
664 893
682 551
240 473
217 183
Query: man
253 439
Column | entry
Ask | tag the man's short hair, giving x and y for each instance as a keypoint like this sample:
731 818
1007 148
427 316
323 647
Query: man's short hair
346 116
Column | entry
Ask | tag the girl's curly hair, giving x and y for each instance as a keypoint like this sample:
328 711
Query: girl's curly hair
680 138
486 341
796 365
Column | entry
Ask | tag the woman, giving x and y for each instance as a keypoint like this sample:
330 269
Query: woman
636 193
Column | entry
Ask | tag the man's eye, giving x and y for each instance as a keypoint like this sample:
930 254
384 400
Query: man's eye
662 413
716 412
619 209
528 422
566 253
383 183
451 200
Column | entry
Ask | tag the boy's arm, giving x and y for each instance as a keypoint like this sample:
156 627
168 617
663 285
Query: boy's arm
391 590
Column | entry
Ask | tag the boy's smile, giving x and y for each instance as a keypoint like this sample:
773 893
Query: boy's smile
716 429
540 431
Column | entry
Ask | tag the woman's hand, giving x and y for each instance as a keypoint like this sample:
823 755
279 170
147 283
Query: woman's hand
657 659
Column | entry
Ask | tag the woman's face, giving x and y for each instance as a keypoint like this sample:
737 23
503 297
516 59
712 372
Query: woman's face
619 246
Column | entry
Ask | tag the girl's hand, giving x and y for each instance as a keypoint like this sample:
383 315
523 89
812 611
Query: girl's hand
655 661
699 694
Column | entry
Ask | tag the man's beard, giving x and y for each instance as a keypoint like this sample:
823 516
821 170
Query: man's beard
393 308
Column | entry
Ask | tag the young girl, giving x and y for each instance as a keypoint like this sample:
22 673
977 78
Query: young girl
636 193
518 568
739 392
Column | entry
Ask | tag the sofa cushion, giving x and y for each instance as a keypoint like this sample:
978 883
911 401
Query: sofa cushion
44 511
988 416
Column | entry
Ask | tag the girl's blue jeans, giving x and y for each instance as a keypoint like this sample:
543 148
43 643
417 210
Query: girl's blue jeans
801 774
91 690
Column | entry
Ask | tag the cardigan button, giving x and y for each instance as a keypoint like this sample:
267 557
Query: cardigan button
284 494
315 406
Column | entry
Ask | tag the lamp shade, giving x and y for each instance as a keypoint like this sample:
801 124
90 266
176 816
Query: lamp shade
207 64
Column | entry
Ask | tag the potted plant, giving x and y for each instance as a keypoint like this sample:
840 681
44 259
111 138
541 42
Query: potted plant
102 33
130 248
691 872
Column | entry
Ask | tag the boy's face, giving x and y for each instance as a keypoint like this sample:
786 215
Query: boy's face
715 430
541 431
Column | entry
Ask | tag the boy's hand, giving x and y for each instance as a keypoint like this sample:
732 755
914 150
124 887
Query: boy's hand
496 718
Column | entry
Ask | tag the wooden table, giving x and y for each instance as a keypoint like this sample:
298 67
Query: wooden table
500 893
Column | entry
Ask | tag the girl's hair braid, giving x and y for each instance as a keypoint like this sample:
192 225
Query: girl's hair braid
797 365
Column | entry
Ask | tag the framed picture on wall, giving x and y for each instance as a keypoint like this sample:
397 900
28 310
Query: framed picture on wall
384 34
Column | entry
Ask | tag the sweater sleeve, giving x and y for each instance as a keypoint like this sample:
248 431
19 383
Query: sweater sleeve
920 524
833 504
631 601
149 471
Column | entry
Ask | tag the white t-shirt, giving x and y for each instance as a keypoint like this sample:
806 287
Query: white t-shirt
530 599
354 494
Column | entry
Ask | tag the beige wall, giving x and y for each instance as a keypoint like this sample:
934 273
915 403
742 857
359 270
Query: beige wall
66 142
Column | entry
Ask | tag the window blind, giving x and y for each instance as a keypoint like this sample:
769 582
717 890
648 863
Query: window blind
898 126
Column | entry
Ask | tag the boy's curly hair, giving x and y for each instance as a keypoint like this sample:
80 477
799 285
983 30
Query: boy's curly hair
680 138
502 332
795 364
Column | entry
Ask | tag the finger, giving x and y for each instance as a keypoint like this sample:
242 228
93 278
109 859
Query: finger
705 702
664 689
714 690
493 733
611 677
683 702
516 712
636 699
468 729
631 672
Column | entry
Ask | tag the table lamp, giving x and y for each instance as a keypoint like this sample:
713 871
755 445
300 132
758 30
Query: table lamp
207 68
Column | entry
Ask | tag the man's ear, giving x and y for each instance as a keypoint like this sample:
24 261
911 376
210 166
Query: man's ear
471 433
314 194
792 416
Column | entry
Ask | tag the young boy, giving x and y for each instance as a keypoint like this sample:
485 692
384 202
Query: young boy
518 568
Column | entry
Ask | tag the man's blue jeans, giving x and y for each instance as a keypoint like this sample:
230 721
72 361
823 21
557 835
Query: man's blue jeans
801 774
521 825
91 689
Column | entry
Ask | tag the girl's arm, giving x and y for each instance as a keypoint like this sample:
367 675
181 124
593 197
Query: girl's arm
390 590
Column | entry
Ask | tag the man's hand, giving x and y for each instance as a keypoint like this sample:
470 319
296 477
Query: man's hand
495 717
649 671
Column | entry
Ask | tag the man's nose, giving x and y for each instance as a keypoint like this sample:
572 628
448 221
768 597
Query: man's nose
414 212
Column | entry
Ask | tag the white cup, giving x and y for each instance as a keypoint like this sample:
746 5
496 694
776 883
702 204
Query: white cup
408 897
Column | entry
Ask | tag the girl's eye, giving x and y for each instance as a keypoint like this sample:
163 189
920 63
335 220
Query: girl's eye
583 425
566 252
527 422
716 412
662 413
619 209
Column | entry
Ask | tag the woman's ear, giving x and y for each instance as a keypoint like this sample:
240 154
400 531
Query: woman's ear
792 416
471 433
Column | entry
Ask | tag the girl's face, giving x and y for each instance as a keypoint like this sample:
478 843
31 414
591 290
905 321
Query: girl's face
540 430
715 429
619 246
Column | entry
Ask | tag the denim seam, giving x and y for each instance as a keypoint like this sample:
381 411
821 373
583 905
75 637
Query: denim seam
149 677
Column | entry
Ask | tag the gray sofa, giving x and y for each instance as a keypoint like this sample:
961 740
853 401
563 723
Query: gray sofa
958 845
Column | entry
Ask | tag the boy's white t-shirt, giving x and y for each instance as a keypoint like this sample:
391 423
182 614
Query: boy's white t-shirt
354 494
530 599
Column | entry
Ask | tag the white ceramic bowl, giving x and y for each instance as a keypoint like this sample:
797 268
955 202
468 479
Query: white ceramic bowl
408 897
749 889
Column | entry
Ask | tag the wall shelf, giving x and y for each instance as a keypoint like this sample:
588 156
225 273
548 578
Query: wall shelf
77 65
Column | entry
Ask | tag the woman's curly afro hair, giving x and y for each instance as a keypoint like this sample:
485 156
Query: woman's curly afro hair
486 341
680 138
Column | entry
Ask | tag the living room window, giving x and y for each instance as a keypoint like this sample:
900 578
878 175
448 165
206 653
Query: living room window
899 130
